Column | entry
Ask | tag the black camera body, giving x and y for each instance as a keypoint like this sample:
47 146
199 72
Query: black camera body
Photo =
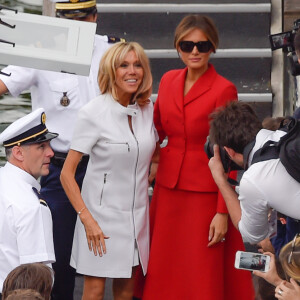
285 41
227 163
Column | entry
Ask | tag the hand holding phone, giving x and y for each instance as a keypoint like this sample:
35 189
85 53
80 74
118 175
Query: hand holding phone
271 275
252 261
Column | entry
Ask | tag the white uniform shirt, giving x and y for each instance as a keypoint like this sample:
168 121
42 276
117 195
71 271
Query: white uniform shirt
47 88
25 224
115 187
263 186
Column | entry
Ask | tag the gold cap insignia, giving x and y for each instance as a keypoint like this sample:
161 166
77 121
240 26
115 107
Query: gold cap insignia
43 118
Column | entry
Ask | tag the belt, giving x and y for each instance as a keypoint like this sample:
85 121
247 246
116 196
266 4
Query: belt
59 159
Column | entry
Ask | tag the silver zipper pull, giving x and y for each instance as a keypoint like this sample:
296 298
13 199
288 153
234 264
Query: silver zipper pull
105 174
128 147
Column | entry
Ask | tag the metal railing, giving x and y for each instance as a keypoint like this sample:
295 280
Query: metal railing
220 53
244 97
183 8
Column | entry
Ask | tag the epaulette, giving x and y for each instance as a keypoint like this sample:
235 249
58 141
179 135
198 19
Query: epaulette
114 39
38 194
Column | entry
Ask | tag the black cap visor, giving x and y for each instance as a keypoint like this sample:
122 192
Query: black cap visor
47 136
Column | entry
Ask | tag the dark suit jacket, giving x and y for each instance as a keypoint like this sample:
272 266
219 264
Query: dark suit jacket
185 121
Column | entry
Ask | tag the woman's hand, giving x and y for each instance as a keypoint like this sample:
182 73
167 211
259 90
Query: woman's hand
153 171
94 235
288 290
217 229
154 163
271 275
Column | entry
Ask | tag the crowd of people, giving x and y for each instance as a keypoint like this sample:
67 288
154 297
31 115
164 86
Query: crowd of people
74 190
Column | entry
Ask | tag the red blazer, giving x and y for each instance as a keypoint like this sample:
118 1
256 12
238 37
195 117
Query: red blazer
185 121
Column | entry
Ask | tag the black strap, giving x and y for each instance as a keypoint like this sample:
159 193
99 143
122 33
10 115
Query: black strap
246 153
270 150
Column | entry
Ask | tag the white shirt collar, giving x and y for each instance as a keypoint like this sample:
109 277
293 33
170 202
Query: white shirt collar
23 175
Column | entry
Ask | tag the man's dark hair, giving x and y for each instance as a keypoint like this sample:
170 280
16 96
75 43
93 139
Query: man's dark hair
297 43
234 126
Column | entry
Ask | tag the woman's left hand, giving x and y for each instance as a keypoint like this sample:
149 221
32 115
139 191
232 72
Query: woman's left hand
217 229
288 290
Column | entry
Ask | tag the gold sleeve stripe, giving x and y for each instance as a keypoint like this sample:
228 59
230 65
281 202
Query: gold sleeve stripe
79 5
25 139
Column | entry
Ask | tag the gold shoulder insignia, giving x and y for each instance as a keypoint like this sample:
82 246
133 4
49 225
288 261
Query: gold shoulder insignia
38 194
43 202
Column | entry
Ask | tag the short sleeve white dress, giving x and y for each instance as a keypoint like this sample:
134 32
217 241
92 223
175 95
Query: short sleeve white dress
115 187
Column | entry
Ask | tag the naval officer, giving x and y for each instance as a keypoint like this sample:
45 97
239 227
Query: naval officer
61 95
25 219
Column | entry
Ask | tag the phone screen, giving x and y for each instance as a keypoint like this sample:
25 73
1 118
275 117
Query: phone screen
252 261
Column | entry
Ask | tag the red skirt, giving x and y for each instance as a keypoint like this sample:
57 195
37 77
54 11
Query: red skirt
181 266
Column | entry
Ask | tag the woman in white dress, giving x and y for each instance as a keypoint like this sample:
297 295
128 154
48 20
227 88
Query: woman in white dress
116 129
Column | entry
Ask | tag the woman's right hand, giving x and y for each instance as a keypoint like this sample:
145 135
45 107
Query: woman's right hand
153 171
271 275
94 235
288 290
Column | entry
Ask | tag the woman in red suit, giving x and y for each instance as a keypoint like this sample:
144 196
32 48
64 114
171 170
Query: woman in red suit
193 243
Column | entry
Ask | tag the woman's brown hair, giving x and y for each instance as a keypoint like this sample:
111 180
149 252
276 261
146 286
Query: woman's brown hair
191 22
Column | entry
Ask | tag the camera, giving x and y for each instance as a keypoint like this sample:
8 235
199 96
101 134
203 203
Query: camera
285 41
227 163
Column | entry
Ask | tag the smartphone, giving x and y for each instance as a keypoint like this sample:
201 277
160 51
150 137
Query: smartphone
252 261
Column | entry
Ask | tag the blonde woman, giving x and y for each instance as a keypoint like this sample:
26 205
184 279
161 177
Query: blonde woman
116 129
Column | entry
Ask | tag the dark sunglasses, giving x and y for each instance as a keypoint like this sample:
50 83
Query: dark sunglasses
293 247
188 46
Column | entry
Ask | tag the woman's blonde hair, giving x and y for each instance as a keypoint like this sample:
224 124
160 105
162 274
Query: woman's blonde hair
112 59
292 268
191 22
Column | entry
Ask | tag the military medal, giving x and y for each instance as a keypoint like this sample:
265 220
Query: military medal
64 101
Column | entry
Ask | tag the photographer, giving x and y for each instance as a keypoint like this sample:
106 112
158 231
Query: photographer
264 184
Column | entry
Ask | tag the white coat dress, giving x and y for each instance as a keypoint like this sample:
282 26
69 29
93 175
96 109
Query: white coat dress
115 187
